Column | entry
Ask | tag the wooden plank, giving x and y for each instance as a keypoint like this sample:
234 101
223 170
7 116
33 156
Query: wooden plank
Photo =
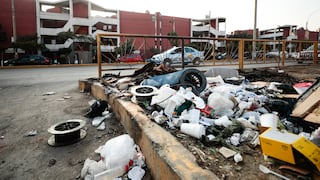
314 117
291 96
307 106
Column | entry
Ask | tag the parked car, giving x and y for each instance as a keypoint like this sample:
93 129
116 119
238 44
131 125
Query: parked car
307 54
220 56
174 56
27 60
276 54
131 58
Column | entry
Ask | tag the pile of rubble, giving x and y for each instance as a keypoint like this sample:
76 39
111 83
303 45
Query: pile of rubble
222 112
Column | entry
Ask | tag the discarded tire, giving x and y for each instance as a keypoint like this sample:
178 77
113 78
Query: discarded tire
67 132
186 78
195 79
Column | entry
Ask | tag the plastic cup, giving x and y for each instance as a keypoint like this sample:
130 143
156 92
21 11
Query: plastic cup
194 130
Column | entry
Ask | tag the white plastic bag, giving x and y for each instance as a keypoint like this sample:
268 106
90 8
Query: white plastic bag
91 168
118 151
221 104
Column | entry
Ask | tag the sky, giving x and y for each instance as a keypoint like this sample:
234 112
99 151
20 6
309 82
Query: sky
239 14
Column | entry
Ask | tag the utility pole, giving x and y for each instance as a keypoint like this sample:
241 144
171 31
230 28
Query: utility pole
14 32
254 36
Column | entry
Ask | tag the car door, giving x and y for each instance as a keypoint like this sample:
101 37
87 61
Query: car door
176 55
23 60
33 60
189 54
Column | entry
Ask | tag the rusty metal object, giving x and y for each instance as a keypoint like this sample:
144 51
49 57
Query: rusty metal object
67 132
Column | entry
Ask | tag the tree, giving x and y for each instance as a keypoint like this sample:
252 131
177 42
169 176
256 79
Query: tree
3 35
29 44
126 47
173 41
3 38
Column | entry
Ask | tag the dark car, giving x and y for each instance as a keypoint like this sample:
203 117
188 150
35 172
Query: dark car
28 60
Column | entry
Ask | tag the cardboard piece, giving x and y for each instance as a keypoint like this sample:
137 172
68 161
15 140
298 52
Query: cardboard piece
305 107
308 104
281 145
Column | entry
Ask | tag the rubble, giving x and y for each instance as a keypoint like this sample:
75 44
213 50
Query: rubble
221 111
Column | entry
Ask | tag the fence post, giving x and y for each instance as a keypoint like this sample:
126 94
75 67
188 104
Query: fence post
283 52
241 53
99 54
182 52
315 52
264 52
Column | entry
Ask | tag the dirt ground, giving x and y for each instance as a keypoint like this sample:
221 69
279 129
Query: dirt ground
30 157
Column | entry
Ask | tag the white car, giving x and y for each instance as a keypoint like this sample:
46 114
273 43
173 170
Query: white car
174 56
274 54
307 54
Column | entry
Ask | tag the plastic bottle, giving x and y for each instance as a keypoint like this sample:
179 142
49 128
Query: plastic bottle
110 174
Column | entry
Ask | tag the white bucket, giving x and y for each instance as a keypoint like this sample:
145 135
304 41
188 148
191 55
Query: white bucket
194 130
269 120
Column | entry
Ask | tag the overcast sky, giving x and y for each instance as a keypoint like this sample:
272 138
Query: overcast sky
239 14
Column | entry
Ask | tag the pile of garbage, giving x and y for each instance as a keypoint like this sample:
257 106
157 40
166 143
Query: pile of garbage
218 107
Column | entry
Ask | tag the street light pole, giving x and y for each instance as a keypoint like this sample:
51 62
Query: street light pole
310 17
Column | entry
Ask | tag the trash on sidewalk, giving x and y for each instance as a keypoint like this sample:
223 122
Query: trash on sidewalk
32 133
97 108
226 152
49 93
266 170
119 155
67 132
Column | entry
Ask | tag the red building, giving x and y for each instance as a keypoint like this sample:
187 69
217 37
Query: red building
153 24
22 19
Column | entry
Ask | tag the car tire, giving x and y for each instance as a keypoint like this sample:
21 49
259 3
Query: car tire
167 62
195 79
196 61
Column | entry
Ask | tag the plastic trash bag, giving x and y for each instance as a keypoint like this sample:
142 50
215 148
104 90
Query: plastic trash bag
221 104
91 168
118 151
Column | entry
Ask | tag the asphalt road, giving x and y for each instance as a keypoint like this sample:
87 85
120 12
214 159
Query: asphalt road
24 107
29 76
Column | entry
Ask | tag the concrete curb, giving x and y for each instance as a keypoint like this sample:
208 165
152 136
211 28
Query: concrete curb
165 156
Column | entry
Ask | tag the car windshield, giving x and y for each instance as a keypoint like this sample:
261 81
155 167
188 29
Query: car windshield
311 48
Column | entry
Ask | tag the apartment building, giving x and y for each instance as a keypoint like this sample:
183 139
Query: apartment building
50 21
82 17
211 28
